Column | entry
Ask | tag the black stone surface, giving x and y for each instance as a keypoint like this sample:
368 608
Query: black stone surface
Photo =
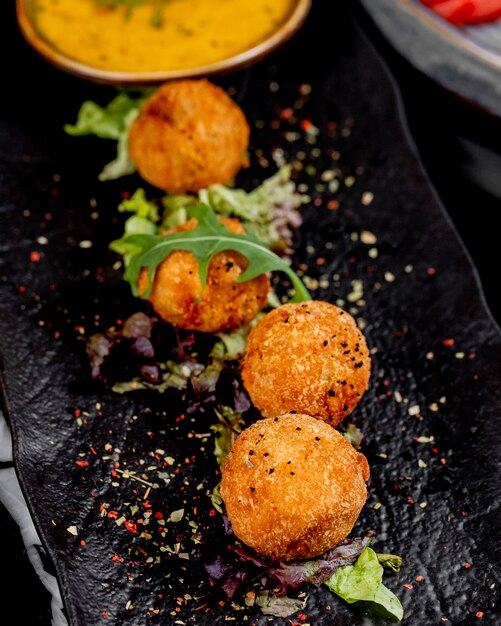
50 303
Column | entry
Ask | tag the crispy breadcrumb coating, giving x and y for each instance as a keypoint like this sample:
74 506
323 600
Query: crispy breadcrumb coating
225 304
309 357
188 135
293 486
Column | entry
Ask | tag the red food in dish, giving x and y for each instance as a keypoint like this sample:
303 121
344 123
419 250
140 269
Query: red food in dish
461 12
485 11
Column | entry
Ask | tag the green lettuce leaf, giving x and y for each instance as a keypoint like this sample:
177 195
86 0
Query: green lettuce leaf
229 425
390 562
112 121
354 435
204 241
278 605
142 222
361 584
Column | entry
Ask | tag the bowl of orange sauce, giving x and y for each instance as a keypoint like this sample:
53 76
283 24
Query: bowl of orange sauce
133 42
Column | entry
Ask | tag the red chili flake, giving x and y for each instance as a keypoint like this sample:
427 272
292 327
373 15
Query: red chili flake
419 579
408 586
333 205
302 617
306 125
113 514
467 565
443 461
285 114
212 512
294 623
76 412
431 271
93 450
21 288
434 450
114 473
82 463
125 195
131 527
410 500
158 515
479 614
116 557
317 201
35 256
448 343
320 261
83 542
104 613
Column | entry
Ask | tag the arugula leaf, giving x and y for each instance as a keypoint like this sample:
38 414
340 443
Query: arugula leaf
272 208
361 583
204 241
110 122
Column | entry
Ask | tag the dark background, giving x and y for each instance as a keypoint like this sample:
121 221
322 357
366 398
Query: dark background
460 148
461 152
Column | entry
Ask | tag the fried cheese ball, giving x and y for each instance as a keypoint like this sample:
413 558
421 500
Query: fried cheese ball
188 135
293 487
310 357
225 304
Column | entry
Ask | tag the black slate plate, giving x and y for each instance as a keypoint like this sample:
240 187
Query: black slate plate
420 292
465 60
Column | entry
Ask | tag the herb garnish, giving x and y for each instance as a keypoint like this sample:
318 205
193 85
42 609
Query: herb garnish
157 17
208 238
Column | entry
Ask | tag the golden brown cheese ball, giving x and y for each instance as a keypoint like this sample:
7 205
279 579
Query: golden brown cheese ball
225 304
188 135
293 487
310 357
